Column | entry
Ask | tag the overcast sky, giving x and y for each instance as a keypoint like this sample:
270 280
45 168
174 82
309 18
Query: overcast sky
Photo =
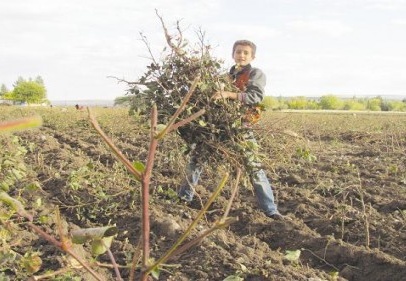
305 47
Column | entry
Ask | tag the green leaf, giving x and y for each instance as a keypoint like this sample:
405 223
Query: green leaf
38 202
3 277
15 204
334 275
202 123
17 174
35 185
293 256
8 163
7 257
43 219
31 262
83 235
243 268
160 128
155 273
98 247
4 186
139 166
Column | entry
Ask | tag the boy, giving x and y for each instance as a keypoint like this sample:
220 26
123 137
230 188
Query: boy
251 83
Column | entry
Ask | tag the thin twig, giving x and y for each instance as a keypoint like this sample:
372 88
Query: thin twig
218 225
168 38
235 190
364 212
135 260
320 258
113 261
122 80
60 246
47 276
180 109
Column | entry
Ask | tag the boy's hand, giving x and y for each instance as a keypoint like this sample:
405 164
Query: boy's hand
224 95
219 95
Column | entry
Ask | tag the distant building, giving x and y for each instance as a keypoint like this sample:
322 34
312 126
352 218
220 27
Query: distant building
6 102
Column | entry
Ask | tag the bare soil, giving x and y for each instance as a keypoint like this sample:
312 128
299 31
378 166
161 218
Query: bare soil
341 178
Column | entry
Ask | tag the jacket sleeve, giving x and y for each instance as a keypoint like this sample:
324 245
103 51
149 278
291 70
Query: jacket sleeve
255 89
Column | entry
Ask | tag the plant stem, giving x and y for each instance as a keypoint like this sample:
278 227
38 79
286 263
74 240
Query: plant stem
145 191
170 252
115 150
187 120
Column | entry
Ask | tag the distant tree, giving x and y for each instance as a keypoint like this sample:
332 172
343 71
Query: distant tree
374 104
39 80
354 104
297 103
385 106
271 103
139 102
312 104
282 103
29 91
3 91
19 80
331 102
123 100
397 106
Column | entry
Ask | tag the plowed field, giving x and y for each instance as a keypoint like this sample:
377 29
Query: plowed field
340 177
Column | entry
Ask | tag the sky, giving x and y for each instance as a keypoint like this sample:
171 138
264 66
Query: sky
305 47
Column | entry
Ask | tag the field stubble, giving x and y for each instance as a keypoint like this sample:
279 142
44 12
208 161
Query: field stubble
340 177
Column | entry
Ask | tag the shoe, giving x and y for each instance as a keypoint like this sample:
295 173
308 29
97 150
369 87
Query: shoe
184 200
193 204
279 217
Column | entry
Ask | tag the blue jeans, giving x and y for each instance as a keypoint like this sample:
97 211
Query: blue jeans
193 171
258 178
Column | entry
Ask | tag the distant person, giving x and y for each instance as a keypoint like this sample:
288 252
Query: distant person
251 83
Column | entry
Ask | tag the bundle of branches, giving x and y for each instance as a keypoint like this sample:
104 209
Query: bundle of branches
166 83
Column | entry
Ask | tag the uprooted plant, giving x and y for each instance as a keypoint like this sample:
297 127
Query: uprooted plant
219 132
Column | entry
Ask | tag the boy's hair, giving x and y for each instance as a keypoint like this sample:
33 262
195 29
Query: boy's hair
245 43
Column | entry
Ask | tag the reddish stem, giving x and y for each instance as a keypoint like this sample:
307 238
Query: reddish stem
145 191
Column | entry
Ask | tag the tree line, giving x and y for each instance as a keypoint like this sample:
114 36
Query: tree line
332 102
29 91
137 103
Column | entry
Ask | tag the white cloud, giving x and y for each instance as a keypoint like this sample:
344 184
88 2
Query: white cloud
319 73
333 28
74 45
399 21
389 5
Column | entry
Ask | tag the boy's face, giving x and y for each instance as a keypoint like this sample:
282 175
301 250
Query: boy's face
243 55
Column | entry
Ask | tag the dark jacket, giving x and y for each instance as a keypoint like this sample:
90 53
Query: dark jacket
251 81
